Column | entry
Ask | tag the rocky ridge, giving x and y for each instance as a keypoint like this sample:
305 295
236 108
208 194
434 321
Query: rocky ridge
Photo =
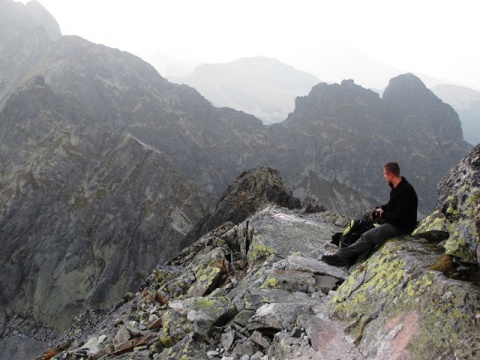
253 190
256 290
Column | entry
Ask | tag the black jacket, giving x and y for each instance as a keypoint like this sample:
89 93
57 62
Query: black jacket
401 209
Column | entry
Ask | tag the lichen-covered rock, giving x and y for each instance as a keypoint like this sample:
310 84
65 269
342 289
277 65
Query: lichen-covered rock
458 211
218 310
208 273
397 307
175 327
189 348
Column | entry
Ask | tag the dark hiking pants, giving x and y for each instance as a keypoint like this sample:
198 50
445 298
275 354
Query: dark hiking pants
369 240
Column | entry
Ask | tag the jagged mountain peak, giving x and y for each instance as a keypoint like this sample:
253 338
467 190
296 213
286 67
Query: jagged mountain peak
406 88
413 107
30 16
329 97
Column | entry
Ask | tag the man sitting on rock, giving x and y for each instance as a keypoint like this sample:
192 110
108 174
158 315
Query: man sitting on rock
398 216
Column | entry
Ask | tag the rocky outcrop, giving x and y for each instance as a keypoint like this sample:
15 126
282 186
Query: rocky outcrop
256 290
254 190
456 218
229 293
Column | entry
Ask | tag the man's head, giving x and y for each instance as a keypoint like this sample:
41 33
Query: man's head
391 173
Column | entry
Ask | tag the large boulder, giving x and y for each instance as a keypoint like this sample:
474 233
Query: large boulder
397 307
457 215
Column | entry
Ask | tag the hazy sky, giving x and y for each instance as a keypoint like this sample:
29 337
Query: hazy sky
440 38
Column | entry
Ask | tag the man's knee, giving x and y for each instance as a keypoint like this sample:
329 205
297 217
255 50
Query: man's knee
381 233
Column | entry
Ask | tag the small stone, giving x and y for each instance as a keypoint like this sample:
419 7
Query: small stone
212 354
122 336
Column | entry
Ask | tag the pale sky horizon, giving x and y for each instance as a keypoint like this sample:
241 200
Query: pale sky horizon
437 38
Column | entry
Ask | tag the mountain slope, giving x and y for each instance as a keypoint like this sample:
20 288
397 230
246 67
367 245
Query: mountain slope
80 208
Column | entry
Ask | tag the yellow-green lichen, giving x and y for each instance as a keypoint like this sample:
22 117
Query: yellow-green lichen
435 221
271 282
175 328
259 251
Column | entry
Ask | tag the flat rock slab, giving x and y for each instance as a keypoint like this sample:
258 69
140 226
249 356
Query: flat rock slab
286 233
327 339
306 264
278 316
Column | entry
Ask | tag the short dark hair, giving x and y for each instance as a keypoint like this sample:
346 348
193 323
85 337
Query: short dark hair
392 168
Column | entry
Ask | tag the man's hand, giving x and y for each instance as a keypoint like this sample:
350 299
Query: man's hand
376 213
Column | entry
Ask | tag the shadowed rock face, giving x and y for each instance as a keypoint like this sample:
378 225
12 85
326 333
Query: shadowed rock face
85 213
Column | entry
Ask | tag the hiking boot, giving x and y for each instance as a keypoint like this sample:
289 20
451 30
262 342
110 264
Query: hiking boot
334 260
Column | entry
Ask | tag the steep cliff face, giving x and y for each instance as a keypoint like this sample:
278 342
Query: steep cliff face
84 213
466 103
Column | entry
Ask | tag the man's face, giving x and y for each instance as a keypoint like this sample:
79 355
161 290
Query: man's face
388 176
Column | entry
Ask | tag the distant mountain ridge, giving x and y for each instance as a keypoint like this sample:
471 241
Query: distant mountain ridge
267 88
466 103
260 86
